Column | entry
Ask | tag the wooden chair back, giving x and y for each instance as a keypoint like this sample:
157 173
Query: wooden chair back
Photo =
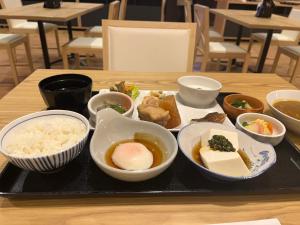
142 46
201 18
163 10
187 6
220 22
113 10
123 8
295 35
10 4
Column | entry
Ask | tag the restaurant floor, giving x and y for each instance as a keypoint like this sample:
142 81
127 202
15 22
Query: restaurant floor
6 82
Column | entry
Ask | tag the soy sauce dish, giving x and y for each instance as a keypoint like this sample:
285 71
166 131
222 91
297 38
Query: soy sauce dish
67 91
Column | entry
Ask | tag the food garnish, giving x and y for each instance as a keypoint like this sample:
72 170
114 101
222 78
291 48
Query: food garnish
117 107
259 126
221 143
129 89
241 104
212 117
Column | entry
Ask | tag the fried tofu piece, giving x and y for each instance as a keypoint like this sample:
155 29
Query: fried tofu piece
153 114
168 103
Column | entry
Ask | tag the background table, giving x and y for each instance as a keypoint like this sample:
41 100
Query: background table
191 210
36 12
246 18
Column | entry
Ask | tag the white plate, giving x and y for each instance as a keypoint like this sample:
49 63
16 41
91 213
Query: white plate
187 113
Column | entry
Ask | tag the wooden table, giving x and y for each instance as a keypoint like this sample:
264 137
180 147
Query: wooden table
246 18
36 12
25 98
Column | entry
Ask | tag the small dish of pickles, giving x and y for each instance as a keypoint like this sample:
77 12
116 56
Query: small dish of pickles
261 127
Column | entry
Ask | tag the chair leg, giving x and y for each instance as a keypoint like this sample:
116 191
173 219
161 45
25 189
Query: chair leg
65 58
229 63
204 63
291 66
57 42
218 64
296 69
276 60
28 54
250 45
12 65
77 61
246 63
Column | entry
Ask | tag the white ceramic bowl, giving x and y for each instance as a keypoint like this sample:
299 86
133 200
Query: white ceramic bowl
113 127
262 155
198 91
274 139
45 163
113 97
275 96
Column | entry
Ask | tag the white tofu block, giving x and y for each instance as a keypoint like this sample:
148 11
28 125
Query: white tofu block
226 163
231 136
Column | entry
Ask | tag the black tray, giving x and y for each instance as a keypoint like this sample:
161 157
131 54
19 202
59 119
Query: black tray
83 178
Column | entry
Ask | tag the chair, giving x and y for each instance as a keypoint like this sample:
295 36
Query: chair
148 46
163 10
217 31
292 52
26 27
113 14
286 37
215 50
123 9
92 43
9 42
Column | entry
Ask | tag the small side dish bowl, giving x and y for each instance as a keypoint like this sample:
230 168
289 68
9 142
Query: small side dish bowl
112 128
234 112
42 162
198 91
291 123
273 139
261 155
112 98
66 91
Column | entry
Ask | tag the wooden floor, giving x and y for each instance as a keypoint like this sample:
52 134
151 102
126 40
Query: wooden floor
6 82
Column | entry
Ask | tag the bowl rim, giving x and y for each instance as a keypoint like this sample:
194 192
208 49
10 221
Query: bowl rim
243 110
262 115
224 177
278 111
67 75
92 99
179 81
7 128
168 161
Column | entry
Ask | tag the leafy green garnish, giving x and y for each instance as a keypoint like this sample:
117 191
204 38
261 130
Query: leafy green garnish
245 124
118 108
221 143
135 92
241 104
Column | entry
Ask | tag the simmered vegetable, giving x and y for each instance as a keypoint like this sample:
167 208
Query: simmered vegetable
241 104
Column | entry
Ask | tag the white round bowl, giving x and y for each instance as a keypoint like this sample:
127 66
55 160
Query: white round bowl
275 96
115 97
113 127
273 139
192 95
44 163
262 155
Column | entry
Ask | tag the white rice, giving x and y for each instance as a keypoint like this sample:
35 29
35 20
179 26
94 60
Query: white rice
44 136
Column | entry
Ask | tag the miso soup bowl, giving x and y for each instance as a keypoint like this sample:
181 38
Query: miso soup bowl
291 123
112 127
198 91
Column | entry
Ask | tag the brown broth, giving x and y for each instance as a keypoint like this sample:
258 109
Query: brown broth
290 108
150 142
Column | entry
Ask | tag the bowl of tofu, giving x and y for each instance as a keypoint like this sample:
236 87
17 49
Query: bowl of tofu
224 153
